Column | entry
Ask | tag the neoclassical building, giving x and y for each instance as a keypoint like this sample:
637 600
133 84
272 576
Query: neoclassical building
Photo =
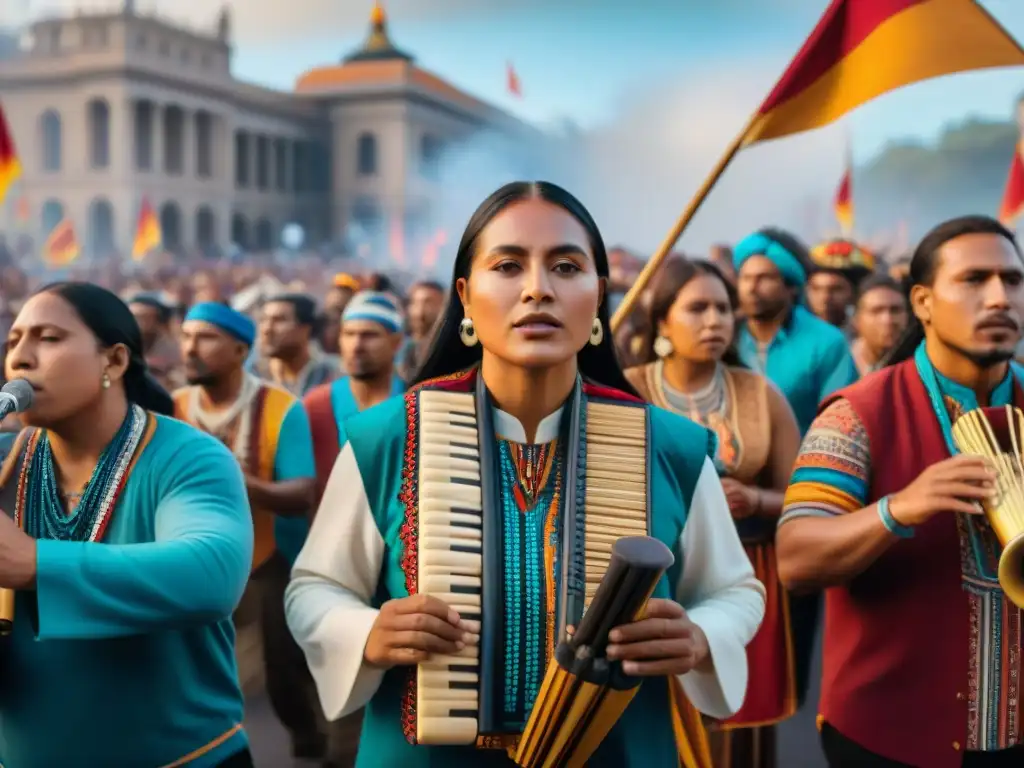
110 109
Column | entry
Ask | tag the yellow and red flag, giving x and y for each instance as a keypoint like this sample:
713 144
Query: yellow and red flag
10 166
1012 204
843 204
61 246
862 49
514 86
148 235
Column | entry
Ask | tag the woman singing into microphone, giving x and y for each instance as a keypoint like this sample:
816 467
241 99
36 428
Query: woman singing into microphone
128 539
521 368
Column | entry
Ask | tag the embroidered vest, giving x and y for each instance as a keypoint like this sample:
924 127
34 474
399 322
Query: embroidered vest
900 639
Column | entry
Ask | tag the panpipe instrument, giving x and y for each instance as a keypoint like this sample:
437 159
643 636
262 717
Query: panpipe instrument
997 434
460 556
584 693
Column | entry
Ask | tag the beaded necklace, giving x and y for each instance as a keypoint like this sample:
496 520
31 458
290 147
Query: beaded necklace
40 510
709 406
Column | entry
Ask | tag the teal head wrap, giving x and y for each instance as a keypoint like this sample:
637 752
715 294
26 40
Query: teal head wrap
761 244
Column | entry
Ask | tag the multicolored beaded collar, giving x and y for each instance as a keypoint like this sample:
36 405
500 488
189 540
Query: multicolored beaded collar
38 509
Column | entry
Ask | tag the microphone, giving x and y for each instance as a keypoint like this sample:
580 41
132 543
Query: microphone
15 397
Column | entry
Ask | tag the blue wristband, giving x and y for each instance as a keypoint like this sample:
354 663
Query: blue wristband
892 525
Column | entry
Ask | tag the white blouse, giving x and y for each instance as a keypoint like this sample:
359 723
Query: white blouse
335 577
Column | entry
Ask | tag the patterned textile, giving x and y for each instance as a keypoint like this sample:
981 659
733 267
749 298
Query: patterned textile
832 476
832 472
530 515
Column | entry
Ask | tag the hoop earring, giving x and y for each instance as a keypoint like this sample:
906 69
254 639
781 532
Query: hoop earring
468 333
663 347
596 332
105 381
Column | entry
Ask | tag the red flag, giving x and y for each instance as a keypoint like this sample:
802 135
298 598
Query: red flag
148 235
1013 194
61 246
514 86
10 167
864 48
843 204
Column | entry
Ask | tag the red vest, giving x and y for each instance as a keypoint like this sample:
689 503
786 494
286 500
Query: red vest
896 648
324 431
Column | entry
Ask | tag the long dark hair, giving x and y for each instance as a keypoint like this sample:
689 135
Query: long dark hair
670 280
925 263
447 354
111 322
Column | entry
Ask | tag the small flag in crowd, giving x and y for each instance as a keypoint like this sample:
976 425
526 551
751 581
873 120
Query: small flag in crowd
862 49
843 204
514 86
1012 204
10 167
61 246
148 236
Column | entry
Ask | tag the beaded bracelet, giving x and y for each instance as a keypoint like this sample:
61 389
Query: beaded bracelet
892 525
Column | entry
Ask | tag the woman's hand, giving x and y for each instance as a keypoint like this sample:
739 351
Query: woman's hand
17 556
409 630
744 501
664 642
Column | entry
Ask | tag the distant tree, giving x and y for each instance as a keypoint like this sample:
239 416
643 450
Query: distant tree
963 172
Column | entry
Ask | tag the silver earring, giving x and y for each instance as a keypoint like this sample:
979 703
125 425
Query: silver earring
596 332
662 347
467 332
105 383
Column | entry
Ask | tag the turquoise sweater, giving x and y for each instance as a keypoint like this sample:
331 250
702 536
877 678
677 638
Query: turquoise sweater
124 657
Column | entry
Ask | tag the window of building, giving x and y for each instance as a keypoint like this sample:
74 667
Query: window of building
204 144
366 155
52 141
99 133
262 163
241 159
144 114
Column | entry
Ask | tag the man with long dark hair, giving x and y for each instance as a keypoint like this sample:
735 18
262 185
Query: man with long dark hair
922 661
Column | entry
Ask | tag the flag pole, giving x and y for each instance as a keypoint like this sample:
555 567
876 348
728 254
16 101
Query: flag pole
659 256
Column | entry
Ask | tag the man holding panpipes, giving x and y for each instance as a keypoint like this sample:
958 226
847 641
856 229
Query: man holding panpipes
922 649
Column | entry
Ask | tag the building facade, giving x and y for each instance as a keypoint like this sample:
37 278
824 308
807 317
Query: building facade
108 110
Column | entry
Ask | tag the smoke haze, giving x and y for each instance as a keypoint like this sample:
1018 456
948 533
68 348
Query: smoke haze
637 173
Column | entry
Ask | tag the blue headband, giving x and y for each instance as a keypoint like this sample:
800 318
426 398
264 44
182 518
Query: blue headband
227 319
758 244
376 307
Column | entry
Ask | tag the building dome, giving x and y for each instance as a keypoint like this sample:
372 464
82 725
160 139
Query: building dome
378 46
377 62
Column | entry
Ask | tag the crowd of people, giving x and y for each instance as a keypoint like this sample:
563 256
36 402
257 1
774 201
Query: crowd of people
794 440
